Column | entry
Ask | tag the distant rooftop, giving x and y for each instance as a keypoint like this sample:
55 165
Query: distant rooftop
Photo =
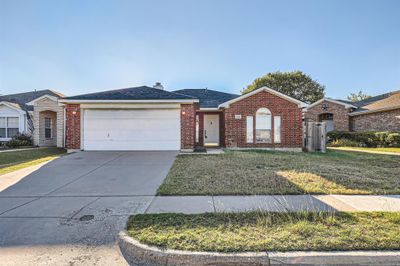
208 98
21 99
385 100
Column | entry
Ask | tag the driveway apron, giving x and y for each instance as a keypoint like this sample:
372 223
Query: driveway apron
70 210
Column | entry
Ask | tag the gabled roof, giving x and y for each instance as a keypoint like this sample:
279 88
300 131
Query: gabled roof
346 104
378 103
130 94
13 106
208 98
276 93
22 99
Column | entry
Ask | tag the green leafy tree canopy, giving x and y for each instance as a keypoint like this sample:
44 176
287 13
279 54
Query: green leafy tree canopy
359 96
295 84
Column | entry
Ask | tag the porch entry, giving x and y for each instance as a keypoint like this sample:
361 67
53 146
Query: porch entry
211 130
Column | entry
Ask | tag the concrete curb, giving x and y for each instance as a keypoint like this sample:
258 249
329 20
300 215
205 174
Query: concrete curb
335 258
140 254
136 253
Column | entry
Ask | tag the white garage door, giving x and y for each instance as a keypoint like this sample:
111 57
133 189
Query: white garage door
149 129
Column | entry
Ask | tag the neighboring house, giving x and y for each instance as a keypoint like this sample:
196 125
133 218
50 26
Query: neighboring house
18 114
150 118
379 113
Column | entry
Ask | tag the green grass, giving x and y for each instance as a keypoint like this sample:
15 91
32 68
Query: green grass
263 172
390 149
15 160
255 231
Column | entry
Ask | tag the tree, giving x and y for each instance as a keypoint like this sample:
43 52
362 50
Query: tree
359 96
295 84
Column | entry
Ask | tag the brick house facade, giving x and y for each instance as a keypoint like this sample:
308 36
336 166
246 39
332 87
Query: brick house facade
379 121
73 126
339 111
291 121
378 113
188 126
232 117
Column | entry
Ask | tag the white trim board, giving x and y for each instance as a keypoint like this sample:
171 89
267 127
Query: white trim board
128 101
13 106
300 104
346 105
375 110
46 96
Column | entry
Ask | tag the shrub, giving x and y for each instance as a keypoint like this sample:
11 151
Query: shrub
344 142
365 139
20 140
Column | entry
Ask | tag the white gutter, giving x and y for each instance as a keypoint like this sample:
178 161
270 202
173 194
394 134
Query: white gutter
128 101
346 105
209 109
375 110
300 104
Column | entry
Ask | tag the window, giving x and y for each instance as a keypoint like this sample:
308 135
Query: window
3 127
47 127
12 126
277 129
197 128
9 127
249 129
263 126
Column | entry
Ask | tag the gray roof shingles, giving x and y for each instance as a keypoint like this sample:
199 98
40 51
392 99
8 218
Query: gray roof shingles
208 98
23 98
135 93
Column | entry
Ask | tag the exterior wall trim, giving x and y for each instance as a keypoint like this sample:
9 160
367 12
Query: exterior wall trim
300 104
71 101
346 105
10 105
375 110
52 98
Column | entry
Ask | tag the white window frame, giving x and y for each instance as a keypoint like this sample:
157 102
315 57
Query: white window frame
277 129
6 126
250 129
261 125
197 137
50 127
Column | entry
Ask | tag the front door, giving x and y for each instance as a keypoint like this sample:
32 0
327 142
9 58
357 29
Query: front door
211 130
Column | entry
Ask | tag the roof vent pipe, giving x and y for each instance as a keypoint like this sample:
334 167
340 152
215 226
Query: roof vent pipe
158 86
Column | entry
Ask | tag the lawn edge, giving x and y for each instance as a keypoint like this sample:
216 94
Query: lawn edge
349 149
138 253
37 162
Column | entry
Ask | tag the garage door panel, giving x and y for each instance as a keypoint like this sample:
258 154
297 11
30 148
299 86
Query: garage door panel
132 129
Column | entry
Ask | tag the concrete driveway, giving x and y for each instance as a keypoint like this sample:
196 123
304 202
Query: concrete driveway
45 218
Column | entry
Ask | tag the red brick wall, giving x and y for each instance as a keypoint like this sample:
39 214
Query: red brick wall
340 114
382 121
291 121
73 126
188 125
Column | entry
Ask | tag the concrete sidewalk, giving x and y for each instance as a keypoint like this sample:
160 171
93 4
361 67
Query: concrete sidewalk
274 203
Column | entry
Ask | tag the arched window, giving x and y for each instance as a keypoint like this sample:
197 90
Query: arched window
263 126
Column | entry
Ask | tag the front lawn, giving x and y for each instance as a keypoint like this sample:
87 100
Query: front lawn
268 172
15 160
240 232
388 149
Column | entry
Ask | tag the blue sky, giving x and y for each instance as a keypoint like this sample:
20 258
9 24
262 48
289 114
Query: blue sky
86 46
